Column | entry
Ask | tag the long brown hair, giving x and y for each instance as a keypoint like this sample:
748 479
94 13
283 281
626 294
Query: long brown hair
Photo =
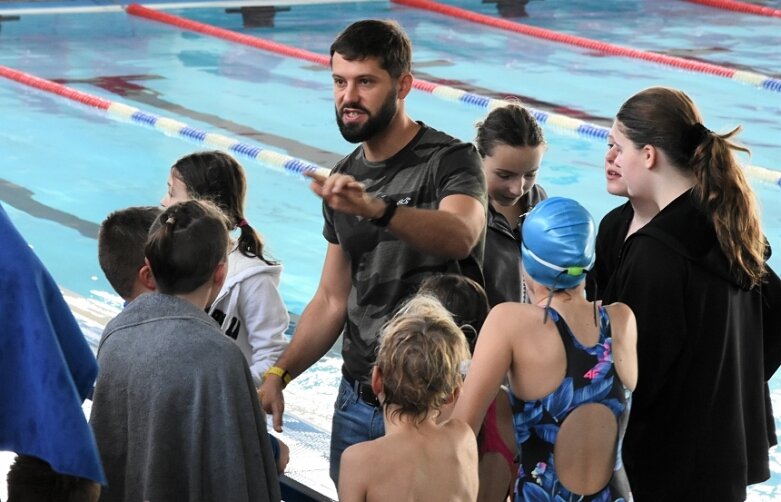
219 178
669 120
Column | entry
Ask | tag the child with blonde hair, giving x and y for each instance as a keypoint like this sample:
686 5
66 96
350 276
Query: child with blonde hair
421 360
467 302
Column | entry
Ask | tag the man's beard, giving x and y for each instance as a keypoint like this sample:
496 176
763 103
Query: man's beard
357 133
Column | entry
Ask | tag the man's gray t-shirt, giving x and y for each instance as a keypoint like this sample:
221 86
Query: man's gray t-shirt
386 270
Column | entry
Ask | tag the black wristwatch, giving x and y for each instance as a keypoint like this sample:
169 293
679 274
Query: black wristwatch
390 210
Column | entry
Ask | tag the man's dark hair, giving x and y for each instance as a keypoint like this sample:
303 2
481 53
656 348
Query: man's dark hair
121 242
30 479
374 38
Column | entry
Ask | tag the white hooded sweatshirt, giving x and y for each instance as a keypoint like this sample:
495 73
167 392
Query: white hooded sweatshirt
250 309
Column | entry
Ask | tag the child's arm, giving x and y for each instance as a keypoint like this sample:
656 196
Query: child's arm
265 316
490 363
352 474
281 453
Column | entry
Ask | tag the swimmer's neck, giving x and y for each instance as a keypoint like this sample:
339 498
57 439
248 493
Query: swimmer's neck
395 423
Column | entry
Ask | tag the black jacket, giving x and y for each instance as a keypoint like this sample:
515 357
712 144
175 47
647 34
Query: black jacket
698 429
502 259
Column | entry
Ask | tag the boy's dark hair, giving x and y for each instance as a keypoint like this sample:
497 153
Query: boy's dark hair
218 177
186 243
374 38
121 242
464 298
30 479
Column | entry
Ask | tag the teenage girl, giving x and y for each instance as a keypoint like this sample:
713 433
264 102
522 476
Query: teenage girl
687 254
511 144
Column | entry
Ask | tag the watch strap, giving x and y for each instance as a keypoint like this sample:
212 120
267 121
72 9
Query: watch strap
390 209
281 373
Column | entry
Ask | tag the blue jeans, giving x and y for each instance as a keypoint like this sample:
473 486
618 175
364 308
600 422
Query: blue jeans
354 421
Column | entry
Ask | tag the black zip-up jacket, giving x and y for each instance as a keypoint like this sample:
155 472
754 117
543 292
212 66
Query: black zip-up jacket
502 259
698 428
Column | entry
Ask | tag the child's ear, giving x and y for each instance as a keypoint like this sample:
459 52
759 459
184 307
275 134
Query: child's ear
454 397
146 277
219 274
377 383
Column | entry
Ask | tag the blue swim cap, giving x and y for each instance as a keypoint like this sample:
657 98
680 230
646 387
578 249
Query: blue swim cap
558 243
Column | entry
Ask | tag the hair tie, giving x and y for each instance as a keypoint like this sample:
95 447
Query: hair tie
695 136
470 333
242 223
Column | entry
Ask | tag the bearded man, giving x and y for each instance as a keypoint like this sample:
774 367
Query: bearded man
409 202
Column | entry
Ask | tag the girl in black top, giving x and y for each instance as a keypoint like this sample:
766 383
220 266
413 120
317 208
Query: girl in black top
511 145
688 256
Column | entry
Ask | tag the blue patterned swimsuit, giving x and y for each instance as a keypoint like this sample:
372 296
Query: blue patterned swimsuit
590 378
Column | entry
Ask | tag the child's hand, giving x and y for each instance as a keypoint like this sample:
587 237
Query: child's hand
284 457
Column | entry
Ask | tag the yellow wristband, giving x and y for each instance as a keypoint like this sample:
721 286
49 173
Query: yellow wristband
283 374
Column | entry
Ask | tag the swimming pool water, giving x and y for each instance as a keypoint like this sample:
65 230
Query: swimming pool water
64 167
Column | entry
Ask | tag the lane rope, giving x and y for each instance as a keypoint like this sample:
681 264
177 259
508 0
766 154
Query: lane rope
735 6
558 122
562 122
746 77
170 127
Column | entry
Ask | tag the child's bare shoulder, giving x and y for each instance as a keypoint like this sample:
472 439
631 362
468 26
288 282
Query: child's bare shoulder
359 451
623 322
458 430
356 461
512 317
369 455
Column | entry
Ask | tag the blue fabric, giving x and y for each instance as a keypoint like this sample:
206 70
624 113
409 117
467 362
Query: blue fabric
591 378
46 365
274 447
353 422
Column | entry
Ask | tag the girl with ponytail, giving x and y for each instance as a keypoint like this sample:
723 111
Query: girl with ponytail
249 307
687 254
174 413
512 145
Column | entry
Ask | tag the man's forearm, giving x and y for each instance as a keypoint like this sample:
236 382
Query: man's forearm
435 232
317 331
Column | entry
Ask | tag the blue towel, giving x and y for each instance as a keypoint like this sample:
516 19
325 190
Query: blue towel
46 365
